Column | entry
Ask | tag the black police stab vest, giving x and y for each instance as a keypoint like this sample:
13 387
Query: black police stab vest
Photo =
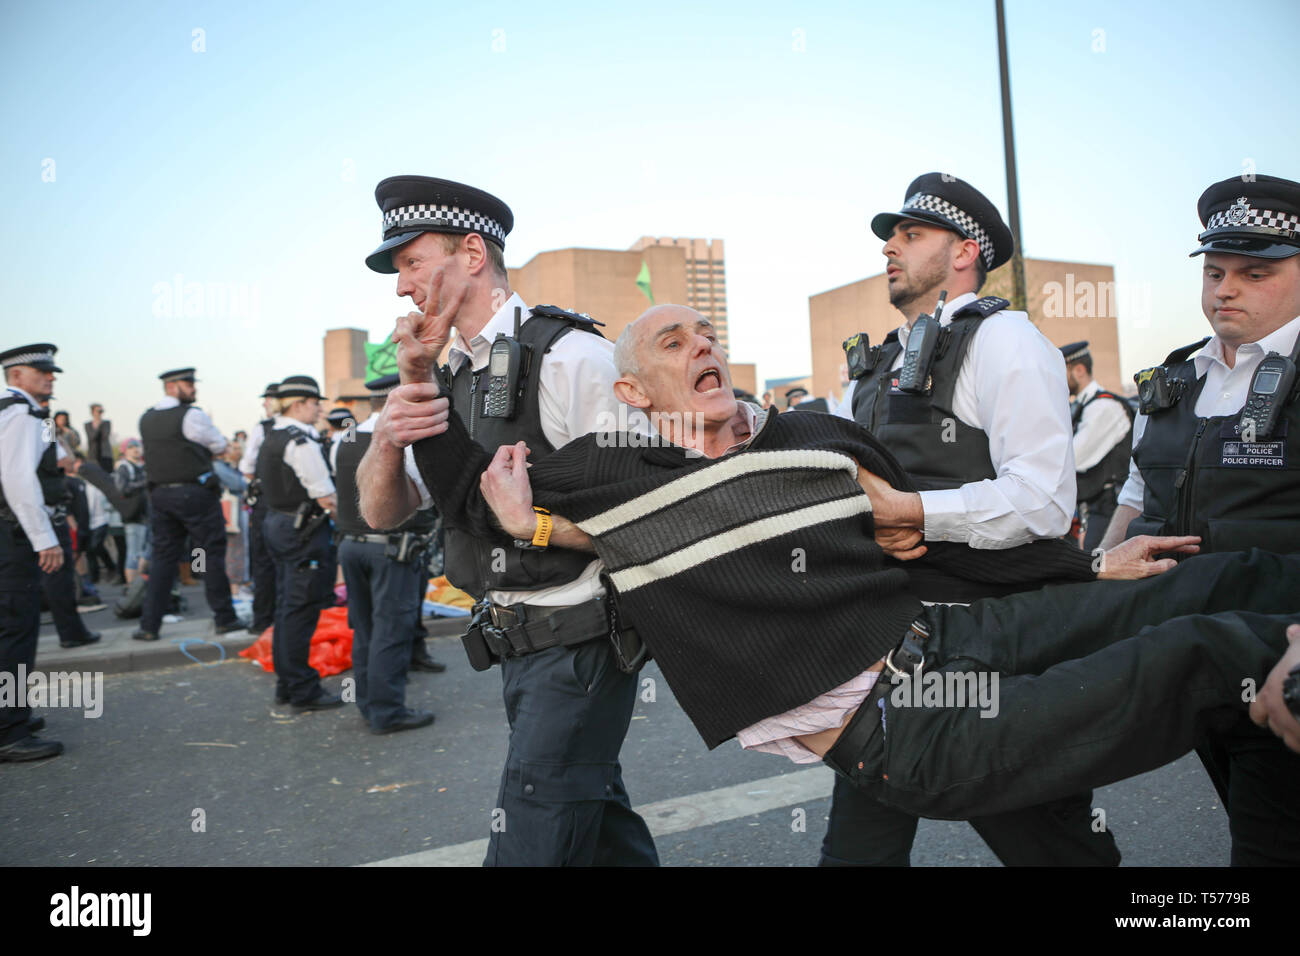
478 565
1201 478
281 488
171 457
1112 470
348 516
54 484
936 448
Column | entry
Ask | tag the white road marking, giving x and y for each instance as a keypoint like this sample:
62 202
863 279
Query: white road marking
670 816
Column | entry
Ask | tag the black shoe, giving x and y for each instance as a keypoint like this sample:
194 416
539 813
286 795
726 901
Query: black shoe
228 628
408 721
421 661
35 723
326 701
90 638
281 699
30 748
144 636
259 631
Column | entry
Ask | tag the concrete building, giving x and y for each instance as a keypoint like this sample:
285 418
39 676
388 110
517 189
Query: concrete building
1068 301
706 277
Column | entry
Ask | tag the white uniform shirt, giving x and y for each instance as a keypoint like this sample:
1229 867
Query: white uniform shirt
1101 427
22 443
248 463
1224 391
1012 387
196 426
408 459
576 397
307 459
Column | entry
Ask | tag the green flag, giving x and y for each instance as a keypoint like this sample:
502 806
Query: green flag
643 281
381 359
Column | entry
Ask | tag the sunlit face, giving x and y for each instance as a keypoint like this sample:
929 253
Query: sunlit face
919 261
417 260
1245 298
36 383
682 368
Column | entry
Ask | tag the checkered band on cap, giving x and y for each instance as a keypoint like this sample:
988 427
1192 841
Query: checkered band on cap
441 215
1076 354
925 202
28 358
1242 215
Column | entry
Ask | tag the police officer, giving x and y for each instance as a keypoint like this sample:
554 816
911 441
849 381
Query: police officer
1102 422
383 575
32 488
299 496
1216 452
991 453
546 618
261 566
184 498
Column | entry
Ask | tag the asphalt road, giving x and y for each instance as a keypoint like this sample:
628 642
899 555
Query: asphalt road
204 744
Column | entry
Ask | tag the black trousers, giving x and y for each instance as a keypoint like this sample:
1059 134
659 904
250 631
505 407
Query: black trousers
263 571
381 593
862 831
1097 682
20 621
174 513
302 591
1257 778
61 591
562 801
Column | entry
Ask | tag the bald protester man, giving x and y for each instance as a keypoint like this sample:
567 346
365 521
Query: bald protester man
698 538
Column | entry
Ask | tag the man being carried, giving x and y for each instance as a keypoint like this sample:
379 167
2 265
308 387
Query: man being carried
757 581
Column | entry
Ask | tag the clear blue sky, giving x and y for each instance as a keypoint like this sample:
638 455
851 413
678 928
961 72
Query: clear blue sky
250 167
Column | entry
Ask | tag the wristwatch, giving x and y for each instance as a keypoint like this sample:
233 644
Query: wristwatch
542 536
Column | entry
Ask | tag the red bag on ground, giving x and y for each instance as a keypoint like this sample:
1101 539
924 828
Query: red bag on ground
331 644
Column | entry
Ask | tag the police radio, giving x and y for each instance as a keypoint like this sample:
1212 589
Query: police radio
1269 388
507 366
860 354
914 376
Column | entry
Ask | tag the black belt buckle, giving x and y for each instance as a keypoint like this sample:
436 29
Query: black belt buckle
909 656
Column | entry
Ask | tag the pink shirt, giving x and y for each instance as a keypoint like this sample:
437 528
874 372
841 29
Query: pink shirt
775 735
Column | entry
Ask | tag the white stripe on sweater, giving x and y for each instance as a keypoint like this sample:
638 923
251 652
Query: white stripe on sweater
742 537
706 478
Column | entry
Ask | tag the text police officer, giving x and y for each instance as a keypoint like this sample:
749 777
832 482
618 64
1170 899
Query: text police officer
184 498
32 487
383 574
299 495
1216 452
990 451
567 703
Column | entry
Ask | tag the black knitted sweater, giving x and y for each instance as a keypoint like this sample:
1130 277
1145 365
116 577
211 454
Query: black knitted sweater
754 578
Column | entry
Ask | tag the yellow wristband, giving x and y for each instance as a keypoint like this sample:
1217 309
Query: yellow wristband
542 536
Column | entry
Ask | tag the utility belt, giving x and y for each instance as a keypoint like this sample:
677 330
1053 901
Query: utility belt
497 632
404 548
907 660
208 481
307 518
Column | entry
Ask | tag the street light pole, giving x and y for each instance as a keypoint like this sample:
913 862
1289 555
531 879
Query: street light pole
1018 299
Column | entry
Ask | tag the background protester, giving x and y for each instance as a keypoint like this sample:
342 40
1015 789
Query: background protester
132 481
67 436
99 438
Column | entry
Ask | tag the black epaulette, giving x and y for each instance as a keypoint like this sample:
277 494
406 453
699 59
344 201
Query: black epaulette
1182 354
982 307
298 436
579 319
891 337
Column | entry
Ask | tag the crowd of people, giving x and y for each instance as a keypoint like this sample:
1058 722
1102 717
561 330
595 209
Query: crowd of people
975 505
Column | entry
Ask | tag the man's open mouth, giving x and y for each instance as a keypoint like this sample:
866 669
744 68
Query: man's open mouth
708 380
